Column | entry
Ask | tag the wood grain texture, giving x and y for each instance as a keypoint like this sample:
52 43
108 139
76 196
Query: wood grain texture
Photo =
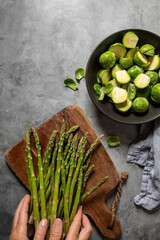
94 205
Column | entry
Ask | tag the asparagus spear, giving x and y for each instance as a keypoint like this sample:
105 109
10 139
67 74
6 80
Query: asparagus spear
92 147
66 195
94 188
57 175
41 179
72 129
33 180
47 156
86 176
74 180
77 198
28 170
67 146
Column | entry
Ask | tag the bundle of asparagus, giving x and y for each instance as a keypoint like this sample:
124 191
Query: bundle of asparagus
62 176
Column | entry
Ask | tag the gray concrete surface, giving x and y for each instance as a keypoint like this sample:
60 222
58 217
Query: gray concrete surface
42 43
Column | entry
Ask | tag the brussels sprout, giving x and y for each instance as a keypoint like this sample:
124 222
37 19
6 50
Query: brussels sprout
115 69
108 87
155 93
130 54
114 84
126 62
140 105
123 77
103 76
142 81
144 92
134 71
153 77
107 59
97 88
140 59
154 63
118 49
147 49
113 141
119 95
150 53
130 40
79 74
131 89
102 93
69 82
124 107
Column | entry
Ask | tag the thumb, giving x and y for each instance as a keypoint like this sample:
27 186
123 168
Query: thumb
56 230
41 230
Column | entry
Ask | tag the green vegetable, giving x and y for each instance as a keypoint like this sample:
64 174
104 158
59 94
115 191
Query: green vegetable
114 84
129 82
142 80
118 49
41 179
79 74
144 92
130 54
108 87
124 107
140 59
134 71
154 63
146 49
97 88
130 40
113 141
32 178
66 185
104 76
102 93
122 77
131 90
126 62
119 95
69 82
94 188
155 93
150 53
153 77
140 105
115 69
107 59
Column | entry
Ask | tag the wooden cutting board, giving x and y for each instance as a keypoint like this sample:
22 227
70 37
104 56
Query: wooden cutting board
94 205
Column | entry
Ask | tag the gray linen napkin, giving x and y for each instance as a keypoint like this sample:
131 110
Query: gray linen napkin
145 151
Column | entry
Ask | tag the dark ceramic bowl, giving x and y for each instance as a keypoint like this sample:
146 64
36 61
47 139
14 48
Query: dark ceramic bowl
91 78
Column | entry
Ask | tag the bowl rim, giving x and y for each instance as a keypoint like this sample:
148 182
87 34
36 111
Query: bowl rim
86 77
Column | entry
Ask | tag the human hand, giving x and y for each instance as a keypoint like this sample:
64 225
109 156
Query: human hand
80 228
19 227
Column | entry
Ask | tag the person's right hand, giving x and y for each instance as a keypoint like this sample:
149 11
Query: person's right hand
80 228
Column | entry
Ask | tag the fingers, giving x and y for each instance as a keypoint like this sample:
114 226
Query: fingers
41 230
86 228
56 230
23 215
75 225
16 215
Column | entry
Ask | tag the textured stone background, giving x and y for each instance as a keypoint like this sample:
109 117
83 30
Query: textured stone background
42 43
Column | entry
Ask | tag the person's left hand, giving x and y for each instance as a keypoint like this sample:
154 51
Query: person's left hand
19 228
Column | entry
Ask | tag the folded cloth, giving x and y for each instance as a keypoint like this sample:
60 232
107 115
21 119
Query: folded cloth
145 151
